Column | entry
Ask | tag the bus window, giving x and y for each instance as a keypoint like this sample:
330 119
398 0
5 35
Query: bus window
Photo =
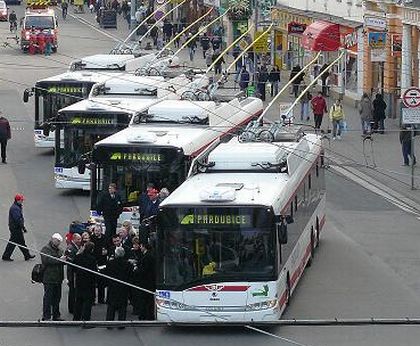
309 181
317 169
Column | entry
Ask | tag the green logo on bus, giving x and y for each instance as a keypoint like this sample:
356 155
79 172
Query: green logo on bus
91 121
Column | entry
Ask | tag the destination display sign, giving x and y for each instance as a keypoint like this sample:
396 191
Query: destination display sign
65 89
216 220
137 157
88 121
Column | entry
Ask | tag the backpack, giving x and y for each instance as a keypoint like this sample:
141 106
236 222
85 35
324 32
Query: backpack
37 273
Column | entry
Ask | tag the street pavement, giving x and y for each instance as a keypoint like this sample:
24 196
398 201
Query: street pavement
366 266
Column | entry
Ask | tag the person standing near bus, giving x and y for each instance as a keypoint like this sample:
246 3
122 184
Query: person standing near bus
110 206
5 135
319 107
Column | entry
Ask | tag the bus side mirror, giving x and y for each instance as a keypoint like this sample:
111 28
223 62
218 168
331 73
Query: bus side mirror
81 167
46 129
26 95
282 232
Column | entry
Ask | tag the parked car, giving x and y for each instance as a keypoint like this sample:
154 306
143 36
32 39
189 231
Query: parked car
4 13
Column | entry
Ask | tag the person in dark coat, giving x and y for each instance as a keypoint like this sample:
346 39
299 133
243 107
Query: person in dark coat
144 276
117 298
244 79
71 251
205 44
324 79
218 65
85 282
110 206
52 278
262 80
100 252
379 107
405 140
16 228
298 80
115 244
5 135
274 78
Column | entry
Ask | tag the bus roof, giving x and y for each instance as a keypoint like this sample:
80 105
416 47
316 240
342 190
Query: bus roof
234 181
111 62
188 137
75 76
192 138
114 105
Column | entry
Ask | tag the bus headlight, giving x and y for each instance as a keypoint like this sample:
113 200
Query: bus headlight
268 304
170 304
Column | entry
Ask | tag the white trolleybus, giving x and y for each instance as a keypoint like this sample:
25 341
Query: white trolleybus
80 126
161 152
110 108
53 93
117 62
234 239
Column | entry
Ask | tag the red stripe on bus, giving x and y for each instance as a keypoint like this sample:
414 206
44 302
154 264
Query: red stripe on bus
219 288
322 222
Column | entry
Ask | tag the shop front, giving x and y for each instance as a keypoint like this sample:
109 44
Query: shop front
289 27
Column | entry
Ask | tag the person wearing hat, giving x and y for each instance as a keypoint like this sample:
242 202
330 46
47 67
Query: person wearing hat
5 135
52 278
17 228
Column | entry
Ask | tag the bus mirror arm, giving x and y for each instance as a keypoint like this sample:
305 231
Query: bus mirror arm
281 229
81 167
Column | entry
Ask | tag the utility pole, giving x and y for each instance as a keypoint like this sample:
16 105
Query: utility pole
133 17
256 14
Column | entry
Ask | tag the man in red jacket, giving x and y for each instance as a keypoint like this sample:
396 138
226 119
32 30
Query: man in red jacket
5 135
319 107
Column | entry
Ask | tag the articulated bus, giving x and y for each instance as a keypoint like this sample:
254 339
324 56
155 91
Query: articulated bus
160 146
52 94
234 239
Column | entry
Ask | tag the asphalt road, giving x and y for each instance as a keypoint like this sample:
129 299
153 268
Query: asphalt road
366 266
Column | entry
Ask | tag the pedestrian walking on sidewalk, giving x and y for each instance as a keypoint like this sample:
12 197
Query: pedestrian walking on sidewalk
244 79
324 78
209 56
319 107
274 79
16 228
337 118
5 135
379 107
218 65
304 103
405 140
262 78
365 111
296 83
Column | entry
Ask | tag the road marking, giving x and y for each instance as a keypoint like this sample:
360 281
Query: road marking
380 189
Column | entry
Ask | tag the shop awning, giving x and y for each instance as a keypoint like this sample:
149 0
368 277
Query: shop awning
321 36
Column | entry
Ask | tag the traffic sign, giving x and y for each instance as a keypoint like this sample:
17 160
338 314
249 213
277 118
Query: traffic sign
411 116
411 97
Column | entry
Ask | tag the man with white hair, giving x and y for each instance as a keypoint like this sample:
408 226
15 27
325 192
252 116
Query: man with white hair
53 275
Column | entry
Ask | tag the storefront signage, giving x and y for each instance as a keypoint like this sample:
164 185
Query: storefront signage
92 121
216 219
261 46
137 157
377 41
348 37
296 28
283 17
375 22
396 44
65 89
411 15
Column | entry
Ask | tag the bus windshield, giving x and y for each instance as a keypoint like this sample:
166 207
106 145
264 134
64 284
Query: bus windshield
207 245
78 134
132 168
51 99
39 22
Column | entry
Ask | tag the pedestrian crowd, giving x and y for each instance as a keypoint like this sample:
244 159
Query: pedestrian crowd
124 254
